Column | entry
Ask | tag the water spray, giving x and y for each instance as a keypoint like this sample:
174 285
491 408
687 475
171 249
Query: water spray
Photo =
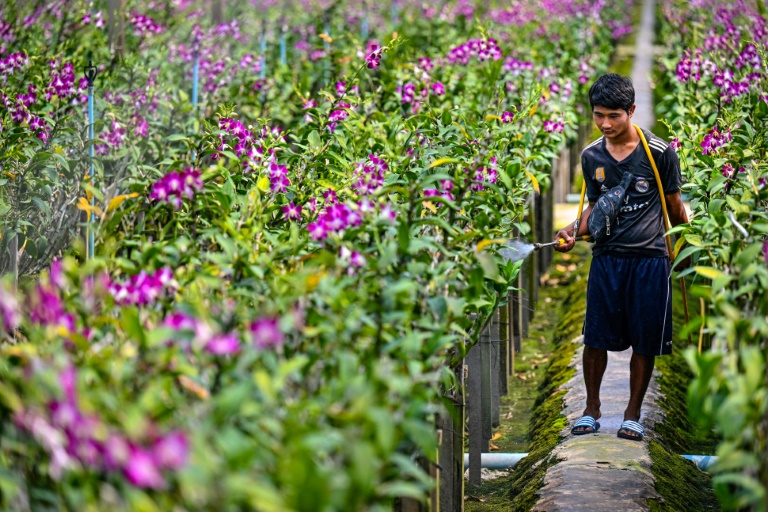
517 250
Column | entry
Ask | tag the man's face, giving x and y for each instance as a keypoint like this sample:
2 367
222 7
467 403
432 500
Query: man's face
612 123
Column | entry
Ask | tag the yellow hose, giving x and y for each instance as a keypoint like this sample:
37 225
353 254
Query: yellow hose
667 224
581 209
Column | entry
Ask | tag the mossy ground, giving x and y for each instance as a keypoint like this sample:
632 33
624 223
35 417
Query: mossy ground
682 486
536 400
547 420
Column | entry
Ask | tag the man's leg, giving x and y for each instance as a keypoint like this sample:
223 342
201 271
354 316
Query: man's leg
594 362
640 372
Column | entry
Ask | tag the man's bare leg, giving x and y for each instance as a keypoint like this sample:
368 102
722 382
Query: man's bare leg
640 372
594 362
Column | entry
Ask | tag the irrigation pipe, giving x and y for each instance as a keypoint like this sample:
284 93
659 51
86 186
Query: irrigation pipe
509 460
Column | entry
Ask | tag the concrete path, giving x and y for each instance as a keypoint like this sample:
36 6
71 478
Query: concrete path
642 68
600 472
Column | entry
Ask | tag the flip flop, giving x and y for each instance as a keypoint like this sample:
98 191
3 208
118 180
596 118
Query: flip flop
631 426
585 421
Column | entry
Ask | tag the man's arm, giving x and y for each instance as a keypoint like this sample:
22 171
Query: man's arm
677 216
676 209
567 232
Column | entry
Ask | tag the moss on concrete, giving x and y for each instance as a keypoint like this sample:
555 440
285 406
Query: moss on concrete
491 496
547 420
677 433
555 321
530 366
681 485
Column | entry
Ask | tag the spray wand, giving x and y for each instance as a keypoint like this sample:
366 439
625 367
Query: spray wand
561 241
517 250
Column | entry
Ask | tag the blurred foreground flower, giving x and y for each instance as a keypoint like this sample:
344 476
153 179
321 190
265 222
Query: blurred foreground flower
71 435
266 333
142 288
9 309
373 58
174 186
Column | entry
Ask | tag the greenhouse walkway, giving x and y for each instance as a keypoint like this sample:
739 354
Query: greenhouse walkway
601 472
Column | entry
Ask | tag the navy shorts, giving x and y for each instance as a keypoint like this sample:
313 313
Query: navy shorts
629 304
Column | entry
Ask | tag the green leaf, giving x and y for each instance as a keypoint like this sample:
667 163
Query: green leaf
688 251
694 240
42 205
715 206
132 325
505 179
710 273
403 238
489 266
141 502
314 140
749 254
736 206
399 489
438 305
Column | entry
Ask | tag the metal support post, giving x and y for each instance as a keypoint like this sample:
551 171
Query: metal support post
495 369
90 75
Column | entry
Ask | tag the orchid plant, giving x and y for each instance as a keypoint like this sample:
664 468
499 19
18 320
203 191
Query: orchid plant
285 270
715 83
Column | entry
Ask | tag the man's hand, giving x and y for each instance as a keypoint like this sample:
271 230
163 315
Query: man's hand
569 241
677 216
682 264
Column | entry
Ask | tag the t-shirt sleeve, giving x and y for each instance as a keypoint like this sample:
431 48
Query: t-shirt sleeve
669 170
593 187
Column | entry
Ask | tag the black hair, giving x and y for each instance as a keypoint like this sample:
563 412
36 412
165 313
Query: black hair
612 91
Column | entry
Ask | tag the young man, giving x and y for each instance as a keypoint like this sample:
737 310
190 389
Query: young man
629 293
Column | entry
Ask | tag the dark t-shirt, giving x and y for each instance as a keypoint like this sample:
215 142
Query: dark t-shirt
639 229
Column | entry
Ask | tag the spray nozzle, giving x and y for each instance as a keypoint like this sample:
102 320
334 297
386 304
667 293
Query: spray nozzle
560 241
90 73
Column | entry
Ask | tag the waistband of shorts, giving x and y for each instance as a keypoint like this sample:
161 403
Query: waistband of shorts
628 254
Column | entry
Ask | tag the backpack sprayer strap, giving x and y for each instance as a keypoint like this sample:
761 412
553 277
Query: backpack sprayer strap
667 224
580 210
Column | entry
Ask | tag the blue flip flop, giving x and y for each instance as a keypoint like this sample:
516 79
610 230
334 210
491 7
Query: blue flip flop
632 426
585 421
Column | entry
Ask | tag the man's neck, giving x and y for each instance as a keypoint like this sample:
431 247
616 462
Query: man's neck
629 137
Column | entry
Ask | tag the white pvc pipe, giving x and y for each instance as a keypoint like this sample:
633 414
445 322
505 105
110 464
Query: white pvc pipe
496 460
703 462
508 460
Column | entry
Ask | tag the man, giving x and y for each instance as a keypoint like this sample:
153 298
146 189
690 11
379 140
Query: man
629 293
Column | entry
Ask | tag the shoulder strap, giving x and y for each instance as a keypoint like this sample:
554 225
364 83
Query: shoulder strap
581 208
668 225
661 187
